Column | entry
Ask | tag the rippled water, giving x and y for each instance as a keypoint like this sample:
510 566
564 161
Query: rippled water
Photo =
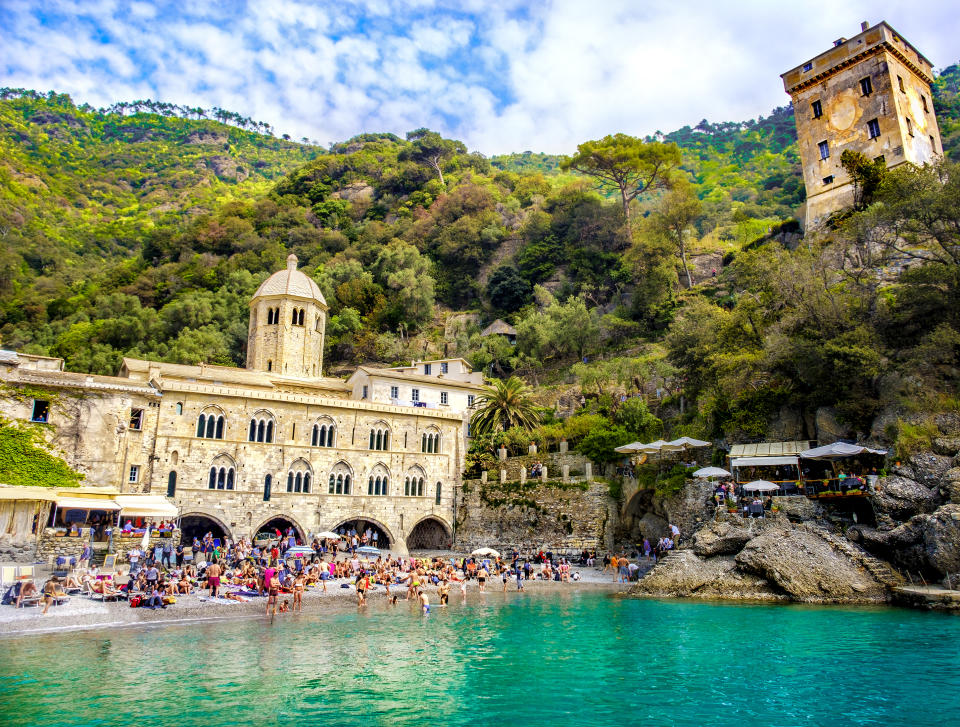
576 659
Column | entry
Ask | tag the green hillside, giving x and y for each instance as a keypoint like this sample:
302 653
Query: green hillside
139 230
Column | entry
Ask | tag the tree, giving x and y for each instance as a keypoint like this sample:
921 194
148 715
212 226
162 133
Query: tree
599 444
507 290
504 404
672 219
867 175
634 416
402 269
630 164
431 149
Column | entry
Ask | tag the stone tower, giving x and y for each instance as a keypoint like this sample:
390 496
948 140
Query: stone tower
870 93
288 317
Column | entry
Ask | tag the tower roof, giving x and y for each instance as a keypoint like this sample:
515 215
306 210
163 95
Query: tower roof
291 282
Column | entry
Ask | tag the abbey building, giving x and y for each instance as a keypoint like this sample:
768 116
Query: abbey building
275 444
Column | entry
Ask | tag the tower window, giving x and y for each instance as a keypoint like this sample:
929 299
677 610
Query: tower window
817 109
136 419
444 397
828 179
134 473
444 368
900 84
923 100
873 128
427 368
909 127
824 150
41 411
808 66
866 86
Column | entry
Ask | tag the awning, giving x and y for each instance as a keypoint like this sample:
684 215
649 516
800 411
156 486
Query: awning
146 505
763 461
85 503
27 493
839 450
769 449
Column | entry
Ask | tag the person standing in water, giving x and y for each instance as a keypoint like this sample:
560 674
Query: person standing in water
273 592
424 602
482 579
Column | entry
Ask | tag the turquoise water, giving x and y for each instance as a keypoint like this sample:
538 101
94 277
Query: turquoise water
575 659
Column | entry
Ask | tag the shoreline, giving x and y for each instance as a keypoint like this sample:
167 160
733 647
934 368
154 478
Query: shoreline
85 614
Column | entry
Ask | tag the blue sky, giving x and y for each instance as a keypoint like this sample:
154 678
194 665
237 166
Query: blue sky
502 75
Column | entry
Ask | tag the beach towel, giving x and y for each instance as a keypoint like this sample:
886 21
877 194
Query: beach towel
210 599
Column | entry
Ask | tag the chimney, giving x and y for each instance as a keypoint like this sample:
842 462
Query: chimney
864 25
838 42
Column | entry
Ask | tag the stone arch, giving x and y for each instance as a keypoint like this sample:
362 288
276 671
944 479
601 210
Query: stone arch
199 519
283 521
430 533
340 480
430 440
360 518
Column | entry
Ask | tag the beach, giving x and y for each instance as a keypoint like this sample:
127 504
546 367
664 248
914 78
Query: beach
82 612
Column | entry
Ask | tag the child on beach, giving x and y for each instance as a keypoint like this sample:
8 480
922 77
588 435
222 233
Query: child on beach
285 606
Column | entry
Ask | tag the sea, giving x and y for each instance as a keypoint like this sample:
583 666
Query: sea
528 659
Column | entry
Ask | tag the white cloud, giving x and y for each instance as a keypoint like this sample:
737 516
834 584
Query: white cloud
505 76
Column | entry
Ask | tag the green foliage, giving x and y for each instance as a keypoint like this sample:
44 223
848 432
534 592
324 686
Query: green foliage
598 444
506 290
26 461
867 176
634 416
504 405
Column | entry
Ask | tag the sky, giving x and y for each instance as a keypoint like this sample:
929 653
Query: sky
501 75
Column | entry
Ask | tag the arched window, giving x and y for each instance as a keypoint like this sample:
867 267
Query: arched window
171 483
230 478
420 487
293 320
314 436
406 486
269 432
379 440
201 425
222 473
373 434
261 430
219 433
253 430
269 316
212 483
339 479
261 427
221 478
211 426
430 441
269 365
378 480
322 434
267 483
439 487
300 318
179 408
299 476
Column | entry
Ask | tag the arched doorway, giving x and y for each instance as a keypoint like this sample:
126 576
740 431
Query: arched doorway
429 534
196 525
283 524
362 526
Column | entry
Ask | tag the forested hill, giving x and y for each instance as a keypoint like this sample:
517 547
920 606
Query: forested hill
143 230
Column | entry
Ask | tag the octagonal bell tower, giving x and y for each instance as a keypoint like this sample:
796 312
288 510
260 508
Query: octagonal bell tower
288 318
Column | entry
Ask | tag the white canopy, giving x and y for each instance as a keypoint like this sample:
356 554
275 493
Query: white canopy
760 486
688 443
327 534
146 505
839 450
631 448
707 472
762 461
487 552
86 503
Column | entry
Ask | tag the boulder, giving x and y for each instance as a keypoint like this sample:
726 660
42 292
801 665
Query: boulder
684 575
786 426
928 467
950 485
829 427
947 446
807 566
652 526
928 544
901 498
726 537
948 423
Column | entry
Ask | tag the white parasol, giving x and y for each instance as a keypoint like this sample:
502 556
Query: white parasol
708 472
760 486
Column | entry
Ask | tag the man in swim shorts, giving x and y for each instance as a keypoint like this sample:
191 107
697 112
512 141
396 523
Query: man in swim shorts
424 602
273 592
213 579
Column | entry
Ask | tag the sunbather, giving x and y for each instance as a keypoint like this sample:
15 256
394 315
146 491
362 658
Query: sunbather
51 592
28 591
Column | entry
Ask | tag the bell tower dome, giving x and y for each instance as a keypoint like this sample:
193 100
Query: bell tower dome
288 318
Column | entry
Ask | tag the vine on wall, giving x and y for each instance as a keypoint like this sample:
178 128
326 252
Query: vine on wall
24 460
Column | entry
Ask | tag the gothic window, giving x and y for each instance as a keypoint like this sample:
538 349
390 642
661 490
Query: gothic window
299 477
171 483
413 482
439 487
378 481
300 317
261 428
222 474
380 438
269 316
267 483
210 425
339 482
322 434
430 442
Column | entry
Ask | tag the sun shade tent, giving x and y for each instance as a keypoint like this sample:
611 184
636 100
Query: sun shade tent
763 461
328 534
631 448
688 443
839 450
489 552
760 486
146 506
86 503
708 472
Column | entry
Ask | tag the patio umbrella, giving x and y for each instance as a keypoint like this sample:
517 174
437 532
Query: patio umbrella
299 551
688 443
490 552
760 486
708 472
631 448
327 534
839 450
368 550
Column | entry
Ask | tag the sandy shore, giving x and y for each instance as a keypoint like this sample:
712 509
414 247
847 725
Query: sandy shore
85 613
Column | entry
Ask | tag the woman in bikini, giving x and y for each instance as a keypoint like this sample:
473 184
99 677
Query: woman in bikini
298 586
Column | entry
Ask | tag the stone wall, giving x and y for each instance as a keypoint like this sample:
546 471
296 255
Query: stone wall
553 461
50 545
565 517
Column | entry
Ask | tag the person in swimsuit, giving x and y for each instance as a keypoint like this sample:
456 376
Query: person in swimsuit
213 579
482 579
443 590
424 601
273 590
363 584
298 586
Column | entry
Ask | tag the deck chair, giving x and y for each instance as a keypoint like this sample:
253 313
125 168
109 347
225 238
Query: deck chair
8 575
25 571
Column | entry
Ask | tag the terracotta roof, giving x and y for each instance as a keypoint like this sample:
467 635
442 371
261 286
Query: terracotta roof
290 281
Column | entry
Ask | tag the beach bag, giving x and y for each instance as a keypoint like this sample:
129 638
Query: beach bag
169 599
134 601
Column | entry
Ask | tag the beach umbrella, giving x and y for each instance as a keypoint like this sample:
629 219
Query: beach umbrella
299 551
631 448
688 443
145 541
486 552
327 534
708 472
368 550
760 486
839 450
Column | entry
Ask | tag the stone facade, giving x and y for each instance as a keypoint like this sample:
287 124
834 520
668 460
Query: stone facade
871 94
238 448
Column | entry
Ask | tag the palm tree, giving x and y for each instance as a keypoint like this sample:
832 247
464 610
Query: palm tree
503 405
